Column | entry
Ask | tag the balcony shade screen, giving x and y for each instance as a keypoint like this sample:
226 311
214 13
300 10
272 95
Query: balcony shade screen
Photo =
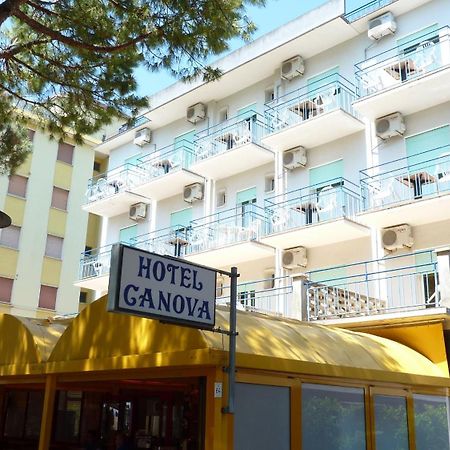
323 79
47 297
18 186
247 196
126 235
326 175
425 262
133 160
9 237
183 142
59 198
410 42
6 285
53 247
65 153
181 218
247 112
184 139
333 277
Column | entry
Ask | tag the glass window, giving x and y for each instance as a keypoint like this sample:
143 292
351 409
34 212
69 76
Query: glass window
17 186
333 418
53 247
65 152
16 404
431 422
68 414
47 297
34 414
6 285
391 423
9 237
59 198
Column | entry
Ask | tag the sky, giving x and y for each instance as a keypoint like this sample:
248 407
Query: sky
273 15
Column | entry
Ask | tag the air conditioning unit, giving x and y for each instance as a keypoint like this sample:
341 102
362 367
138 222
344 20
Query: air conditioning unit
382 26
193 192
143 136
398 237
390 126
138 211
294 258
196 113
292 68
295 157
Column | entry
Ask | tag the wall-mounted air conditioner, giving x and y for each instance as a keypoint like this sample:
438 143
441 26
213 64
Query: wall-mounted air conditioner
193 192
138 211
398 237
196 113
143 136
382 26
294 258
390 126
295 157
293 67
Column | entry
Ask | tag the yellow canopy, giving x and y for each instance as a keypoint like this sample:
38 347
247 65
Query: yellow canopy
98 340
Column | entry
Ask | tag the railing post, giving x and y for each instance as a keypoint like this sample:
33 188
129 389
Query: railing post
443 268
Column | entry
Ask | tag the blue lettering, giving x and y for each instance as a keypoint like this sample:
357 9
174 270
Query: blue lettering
143 267
191 307
130 301
164 301
204 310
185 276
147 297
197 285
159 275
178 304
172 268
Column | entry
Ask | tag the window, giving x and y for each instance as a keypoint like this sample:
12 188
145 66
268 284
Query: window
269 95
9 237
59 198
17 185
68 416
83 297
269 279
269 183
247 298
6 285
47 297
65 152
223 114
53 247
221 198
244 201
97 166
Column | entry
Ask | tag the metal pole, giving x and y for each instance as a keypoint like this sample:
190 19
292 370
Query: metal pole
232 342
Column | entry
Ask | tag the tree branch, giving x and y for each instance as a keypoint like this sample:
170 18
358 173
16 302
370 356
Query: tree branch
7 8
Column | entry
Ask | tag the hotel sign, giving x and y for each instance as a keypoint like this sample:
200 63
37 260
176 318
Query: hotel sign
161 287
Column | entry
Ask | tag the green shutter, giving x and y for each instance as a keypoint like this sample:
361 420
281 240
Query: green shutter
321 175
127 234
246 196
415 39
181 218
317 82
247 112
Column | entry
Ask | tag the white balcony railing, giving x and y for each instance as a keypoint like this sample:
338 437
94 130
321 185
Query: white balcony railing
388 285
313 204
366 9
404 180
95 263
402 64
309 102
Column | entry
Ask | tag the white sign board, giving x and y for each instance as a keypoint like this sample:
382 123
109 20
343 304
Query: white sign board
161 287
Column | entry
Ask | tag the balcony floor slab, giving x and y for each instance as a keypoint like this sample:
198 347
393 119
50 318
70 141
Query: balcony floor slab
317 235
167 185
414 212
408 97
99 283
314 132
233 161
114 204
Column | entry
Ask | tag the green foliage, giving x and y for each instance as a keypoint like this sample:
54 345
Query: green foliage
431 426
71 62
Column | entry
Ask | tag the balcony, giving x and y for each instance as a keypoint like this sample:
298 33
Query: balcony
312 116
314 216
166 171
392 285
411 190
405 79
110 193
367 9
231 147
94 269
273 296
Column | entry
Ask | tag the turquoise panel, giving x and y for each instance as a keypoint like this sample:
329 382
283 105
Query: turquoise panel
127 234
321 175
246 196
322 79
182 218
247 112
133 159
425 262
416 38
184 145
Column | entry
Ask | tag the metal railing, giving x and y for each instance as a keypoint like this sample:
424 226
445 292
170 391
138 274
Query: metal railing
268 296
407 179
167 160
392 284
313 204
113 182
310 102
366 9
140 120
95 262
403 63
229 135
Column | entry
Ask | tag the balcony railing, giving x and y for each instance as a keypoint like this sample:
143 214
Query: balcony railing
406 179
404 63
366 9
229 135
388 285
313 204
167 160
95 262
126 127
114 182
270 296
240 224
310 102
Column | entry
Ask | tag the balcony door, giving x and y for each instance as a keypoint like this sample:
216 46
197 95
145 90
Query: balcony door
244 206
183 146
180 224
